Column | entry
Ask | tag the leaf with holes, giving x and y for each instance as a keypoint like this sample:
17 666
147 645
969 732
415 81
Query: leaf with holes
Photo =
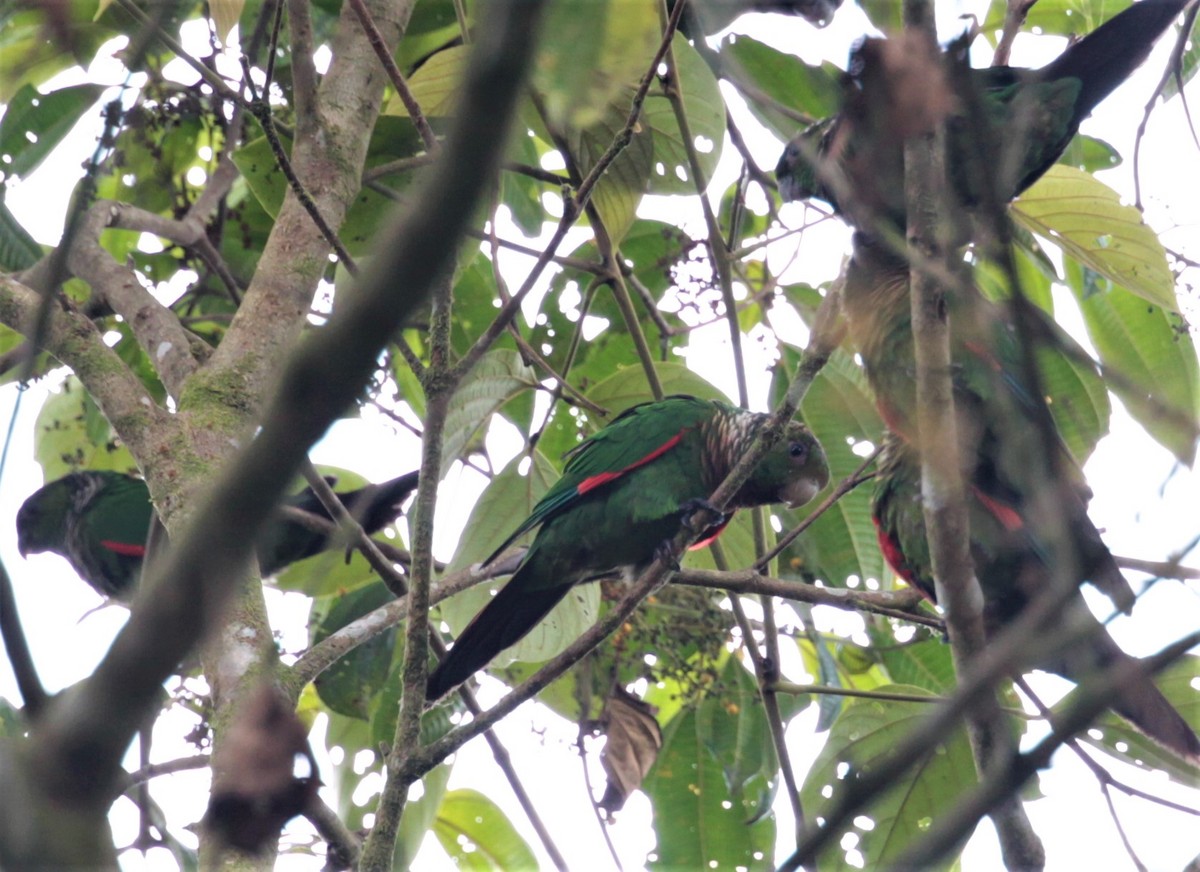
1152 351
1114 735
34 124
499 376
1087 219
704 111
867 733
698 822
478 836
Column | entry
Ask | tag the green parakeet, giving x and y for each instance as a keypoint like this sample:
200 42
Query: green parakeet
623 493
1007 439
1020 125
99 521
1012 573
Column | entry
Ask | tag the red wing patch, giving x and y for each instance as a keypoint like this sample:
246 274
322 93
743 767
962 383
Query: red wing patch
711 535
1008 517
124 548
895 422
596 481
890 549
983 353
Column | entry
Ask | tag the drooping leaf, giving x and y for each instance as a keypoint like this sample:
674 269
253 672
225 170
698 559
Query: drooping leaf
348 685
841 543
393 138
498 377
732 725
71 433
34 124
704 109
589 54
506 502
927 665
1087 219
436 84
225 15
1154 355
632 742
18 250
785 79
478 836
419 816
868 732
698 823
620 189
1116 736
627 387
1079 400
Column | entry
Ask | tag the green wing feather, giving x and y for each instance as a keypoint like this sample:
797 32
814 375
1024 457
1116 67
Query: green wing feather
623 445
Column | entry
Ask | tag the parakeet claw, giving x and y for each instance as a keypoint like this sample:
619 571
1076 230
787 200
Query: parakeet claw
665 551
690 507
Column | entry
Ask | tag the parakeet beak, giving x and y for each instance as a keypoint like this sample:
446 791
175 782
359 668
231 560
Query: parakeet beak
801 491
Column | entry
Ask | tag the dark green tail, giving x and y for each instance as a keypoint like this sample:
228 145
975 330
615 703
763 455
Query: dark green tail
511 614
375 506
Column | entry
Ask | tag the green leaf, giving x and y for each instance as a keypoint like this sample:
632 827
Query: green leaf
627 387
884 15
435 85
28 57
1078 399
498 377
732 725
70 433
867 733
348 686
704 109
478 836
1062 17
1087 220
736 543
393 138
1090 154
18 250
619 190
34 124
1116 736
591 52
785 79
419 816
927 665
433 24
1152 351
698 823
1188 66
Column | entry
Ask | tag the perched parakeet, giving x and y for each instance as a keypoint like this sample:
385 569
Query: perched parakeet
1012 574
623 493
1003 124
1007 438
99 521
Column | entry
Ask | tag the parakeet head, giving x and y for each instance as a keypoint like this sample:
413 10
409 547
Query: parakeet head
41 520
796 172
793 472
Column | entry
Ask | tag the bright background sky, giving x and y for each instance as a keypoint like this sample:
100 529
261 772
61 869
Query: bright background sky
1145 502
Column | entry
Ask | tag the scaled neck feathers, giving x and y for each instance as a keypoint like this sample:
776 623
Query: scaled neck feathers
727 436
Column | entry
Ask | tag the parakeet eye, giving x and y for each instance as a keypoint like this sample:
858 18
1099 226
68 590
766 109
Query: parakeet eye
798 450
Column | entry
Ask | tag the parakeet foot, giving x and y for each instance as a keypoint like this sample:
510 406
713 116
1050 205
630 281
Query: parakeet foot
665 551
689 508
